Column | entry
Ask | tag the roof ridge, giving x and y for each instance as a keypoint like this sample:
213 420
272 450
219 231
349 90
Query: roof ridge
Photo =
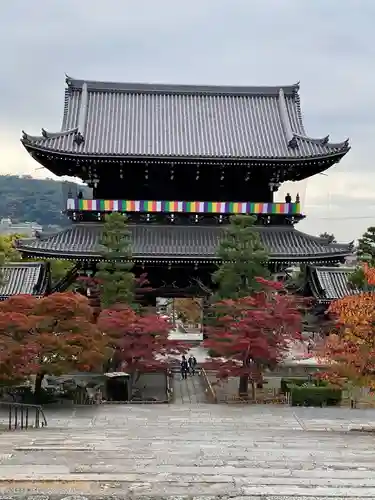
333 269
22 264
272 90
322 240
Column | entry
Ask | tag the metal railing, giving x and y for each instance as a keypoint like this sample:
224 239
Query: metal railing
23 416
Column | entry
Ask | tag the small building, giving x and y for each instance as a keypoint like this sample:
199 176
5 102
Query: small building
25 278
326 284
179 160
28 229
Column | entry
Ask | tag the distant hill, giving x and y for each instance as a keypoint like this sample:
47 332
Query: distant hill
23 198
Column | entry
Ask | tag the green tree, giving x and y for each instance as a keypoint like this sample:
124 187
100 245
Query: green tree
59 268
117 282
243 259
7 247
330 237
357 278
365 253
366 246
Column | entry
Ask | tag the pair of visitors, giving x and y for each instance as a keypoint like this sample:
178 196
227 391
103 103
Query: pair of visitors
188 366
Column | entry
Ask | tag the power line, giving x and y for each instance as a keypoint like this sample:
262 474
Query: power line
343 218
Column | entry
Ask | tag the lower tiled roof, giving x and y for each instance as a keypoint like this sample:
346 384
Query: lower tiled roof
30 278
81 240
330 283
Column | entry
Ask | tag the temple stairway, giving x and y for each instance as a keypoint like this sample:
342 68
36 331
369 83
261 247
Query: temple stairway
188 391
195 451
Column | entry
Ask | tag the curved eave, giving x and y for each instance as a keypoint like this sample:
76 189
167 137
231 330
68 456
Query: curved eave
334 156
32 139
324 142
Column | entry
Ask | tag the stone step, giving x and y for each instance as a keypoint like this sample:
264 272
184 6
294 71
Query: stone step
191 450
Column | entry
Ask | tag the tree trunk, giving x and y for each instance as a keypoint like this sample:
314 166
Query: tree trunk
38 387
243 388
253 390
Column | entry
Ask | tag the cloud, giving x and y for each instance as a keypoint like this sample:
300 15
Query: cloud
328 47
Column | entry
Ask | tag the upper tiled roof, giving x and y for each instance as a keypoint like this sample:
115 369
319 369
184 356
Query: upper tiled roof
147 120
178 242
30 278
330 283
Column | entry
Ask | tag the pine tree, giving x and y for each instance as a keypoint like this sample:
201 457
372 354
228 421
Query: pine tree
366 246
243 260
117 282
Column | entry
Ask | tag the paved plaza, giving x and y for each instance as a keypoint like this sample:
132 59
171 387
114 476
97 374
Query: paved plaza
191 451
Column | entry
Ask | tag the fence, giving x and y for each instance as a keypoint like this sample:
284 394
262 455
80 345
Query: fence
24 416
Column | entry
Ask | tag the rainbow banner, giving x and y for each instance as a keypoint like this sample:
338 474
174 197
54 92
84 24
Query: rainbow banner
189 207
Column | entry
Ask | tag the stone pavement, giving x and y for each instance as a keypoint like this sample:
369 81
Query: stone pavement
189 391
191 451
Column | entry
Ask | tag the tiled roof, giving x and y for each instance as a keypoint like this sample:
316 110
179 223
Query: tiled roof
146 120
150 241
330 283
30 278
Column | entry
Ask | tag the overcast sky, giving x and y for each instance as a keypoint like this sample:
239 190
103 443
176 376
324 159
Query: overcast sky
329 46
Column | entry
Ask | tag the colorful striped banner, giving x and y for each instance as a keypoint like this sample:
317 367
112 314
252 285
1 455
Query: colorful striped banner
190 207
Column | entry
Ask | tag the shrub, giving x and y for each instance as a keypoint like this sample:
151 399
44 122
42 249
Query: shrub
315 396
300 381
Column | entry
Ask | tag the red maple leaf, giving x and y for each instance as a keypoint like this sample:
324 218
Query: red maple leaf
253 333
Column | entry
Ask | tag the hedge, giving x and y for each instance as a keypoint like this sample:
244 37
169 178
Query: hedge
315 396
286 382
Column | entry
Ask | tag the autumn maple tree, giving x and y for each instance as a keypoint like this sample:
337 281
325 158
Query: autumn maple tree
139 341
189 309
253 333
350 346
52 335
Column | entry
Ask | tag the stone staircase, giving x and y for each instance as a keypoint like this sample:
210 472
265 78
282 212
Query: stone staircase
190 451
188 391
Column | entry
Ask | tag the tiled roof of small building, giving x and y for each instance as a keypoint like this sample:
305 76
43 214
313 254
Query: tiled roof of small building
150 241
29 278
330 283
183 121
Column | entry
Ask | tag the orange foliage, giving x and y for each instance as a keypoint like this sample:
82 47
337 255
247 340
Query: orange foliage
369 274
189 308
351 345
355 310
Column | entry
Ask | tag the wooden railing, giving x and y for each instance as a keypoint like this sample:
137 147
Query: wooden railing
208 389
23 416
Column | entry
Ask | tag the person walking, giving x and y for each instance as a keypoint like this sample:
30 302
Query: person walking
184 367
192 364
